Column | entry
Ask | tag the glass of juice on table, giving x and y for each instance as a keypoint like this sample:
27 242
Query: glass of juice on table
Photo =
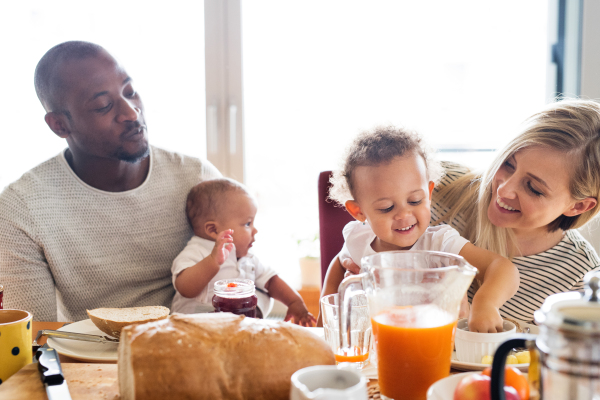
413 302
360 329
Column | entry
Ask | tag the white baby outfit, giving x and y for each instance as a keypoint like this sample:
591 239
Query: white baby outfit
358 239
197 249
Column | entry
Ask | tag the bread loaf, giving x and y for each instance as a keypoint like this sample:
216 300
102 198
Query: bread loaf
112 320
215 356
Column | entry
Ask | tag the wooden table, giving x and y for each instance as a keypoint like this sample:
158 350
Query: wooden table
86 381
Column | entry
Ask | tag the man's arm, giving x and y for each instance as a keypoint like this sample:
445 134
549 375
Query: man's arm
24 272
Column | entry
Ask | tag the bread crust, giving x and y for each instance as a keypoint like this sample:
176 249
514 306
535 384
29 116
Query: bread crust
113 328
215 356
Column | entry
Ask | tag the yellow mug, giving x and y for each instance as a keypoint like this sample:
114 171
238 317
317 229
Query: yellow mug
15 341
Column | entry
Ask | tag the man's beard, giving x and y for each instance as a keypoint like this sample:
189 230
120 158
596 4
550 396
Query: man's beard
133 158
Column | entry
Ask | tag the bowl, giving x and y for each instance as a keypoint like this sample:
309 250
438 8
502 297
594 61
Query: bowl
472 346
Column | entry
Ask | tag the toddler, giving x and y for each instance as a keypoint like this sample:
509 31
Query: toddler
385 184
221 212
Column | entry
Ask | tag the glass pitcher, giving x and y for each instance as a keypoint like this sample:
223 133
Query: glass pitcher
414 298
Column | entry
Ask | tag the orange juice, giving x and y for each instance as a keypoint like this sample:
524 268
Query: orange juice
414 349
355 355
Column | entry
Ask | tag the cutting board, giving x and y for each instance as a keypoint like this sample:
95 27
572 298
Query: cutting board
85 381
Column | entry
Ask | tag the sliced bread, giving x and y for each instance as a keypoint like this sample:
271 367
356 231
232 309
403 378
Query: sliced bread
112 320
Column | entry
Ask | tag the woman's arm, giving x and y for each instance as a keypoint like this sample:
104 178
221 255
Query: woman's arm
500 281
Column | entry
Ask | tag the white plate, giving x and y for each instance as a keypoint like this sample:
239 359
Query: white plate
85 351
444 388
467 366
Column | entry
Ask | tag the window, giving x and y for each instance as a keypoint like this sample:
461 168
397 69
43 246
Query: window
463 73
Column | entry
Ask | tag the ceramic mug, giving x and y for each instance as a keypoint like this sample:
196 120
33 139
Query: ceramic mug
341 382
15 341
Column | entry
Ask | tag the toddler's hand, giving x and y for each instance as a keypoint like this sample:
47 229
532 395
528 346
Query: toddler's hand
223 246
298 314
350 266
485 318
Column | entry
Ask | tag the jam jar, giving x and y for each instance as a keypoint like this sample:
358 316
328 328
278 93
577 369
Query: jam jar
235 296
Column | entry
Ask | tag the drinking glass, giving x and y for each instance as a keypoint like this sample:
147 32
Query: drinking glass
360 329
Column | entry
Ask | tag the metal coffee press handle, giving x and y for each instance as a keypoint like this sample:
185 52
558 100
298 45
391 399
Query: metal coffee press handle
499 362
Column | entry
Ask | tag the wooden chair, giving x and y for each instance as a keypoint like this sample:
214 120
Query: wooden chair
332 220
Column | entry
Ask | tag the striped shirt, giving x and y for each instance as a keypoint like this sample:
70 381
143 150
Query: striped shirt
556 270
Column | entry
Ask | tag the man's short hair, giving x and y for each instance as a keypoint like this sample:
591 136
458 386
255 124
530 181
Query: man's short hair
48 85
205 200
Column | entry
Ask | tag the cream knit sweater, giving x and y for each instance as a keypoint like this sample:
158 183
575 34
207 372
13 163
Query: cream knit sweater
66 247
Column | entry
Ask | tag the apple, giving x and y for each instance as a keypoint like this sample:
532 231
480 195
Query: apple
478 387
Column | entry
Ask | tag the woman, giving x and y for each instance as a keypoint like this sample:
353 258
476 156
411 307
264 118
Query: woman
527 205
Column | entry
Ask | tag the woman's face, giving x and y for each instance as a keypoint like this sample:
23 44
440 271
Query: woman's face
531 189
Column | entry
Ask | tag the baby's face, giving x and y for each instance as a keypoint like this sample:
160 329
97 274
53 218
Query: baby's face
395 199
238 214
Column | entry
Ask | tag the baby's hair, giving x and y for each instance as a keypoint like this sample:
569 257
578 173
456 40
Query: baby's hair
376 147
204 200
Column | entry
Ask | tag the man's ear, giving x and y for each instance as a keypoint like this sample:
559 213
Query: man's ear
581 206
58 123
431 186
210 228
354 210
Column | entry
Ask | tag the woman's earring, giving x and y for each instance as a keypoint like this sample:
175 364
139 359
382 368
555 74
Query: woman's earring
364 223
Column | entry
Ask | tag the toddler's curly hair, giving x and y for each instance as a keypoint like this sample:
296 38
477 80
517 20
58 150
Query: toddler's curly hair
376 147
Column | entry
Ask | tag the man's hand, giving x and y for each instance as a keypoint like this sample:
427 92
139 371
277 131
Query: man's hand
485 318
298 314
223 246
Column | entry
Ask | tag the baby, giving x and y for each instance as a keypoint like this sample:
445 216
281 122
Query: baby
221 212
385 184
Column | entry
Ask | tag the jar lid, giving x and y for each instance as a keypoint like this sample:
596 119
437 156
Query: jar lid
573 311
234 288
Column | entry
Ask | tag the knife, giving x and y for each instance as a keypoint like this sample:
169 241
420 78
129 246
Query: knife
79 336
51 374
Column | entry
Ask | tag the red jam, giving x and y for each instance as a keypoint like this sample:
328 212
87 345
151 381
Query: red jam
1 297
235 296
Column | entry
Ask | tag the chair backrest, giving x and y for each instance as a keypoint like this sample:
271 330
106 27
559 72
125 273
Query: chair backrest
332 220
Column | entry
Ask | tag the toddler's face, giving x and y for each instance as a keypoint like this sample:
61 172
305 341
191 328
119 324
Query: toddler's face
239 215
395 199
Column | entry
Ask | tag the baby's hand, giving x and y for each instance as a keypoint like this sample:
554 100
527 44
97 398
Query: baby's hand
223 246
485 318
298 314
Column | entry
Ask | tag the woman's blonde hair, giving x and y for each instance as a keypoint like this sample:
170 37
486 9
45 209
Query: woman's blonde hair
376 147
570 126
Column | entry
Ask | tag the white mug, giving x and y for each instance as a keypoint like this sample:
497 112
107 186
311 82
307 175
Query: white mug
341 382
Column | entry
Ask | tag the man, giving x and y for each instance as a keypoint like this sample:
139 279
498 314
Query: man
99 224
